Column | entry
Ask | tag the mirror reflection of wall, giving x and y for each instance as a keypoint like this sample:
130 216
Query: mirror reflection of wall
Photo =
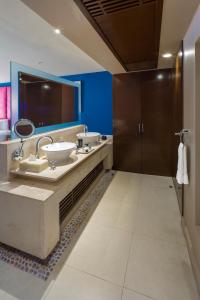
46 102
4 112
5 102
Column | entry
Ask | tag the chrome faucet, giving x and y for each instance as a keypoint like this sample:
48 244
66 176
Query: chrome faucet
38 144
85 129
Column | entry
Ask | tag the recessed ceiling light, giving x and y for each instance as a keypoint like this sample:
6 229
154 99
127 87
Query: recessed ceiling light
160 76
167 55
57 31
46 86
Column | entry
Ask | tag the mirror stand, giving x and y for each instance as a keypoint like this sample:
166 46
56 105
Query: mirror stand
23 129
18 154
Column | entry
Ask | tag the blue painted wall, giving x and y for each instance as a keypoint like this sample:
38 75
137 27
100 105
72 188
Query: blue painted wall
96 100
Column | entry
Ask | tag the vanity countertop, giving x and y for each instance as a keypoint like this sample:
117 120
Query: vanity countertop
56 174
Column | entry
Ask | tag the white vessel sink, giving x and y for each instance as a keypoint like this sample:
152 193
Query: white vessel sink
58 152
89 137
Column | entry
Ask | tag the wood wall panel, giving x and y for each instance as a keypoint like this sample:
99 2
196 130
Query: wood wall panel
127 116
157 117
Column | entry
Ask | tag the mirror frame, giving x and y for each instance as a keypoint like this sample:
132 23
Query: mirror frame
15 69
25 121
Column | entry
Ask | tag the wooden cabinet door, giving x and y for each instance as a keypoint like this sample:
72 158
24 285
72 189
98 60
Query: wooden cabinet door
126 122
157 120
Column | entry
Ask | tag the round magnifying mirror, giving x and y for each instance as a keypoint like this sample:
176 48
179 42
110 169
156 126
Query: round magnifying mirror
24 128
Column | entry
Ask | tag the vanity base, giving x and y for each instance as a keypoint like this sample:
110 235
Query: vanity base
30 209
72 198
72 225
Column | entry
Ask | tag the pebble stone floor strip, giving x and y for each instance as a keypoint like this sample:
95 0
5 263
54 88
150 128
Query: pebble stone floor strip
35 267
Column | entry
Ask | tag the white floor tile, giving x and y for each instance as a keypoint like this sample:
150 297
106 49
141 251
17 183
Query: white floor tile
130 295
118 214
119 204
156 181
103 252
160 270
159 201
158 226
5 296
158 215
72 284
20 285
122 184
133 242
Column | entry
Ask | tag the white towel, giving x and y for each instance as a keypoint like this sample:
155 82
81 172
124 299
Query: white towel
182 174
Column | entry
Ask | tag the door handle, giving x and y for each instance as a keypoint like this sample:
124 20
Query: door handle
139 128
142 127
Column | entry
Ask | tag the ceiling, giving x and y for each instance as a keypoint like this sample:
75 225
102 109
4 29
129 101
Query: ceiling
28 39
130 28
177 15
66 15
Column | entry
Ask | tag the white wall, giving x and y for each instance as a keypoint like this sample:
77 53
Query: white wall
190 196
28 39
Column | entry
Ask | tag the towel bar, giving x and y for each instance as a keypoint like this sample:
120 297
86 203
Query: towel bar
181 134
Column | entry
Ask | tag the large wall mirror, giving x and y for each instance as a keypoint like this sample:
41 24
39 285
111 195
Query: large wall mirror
49 101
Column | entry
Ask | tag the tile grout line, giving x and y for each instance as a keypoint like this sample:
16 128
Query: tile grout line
141 294
131 243
130 247
50 287
95 276
148 237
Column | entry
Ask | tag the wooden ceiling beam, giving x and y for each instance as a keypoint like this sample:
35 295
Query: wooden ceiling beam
130 28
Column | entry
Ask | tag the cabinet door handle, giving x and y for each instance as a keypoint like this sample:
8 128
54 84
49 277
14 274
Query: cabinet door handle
142 127
139 128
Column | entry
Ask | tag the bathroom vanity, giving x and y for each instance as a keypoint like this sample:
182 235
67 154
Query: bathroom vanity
30 214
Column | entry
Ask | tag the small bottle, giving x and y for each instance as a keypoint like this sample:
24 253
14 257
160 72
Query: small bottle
80 143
